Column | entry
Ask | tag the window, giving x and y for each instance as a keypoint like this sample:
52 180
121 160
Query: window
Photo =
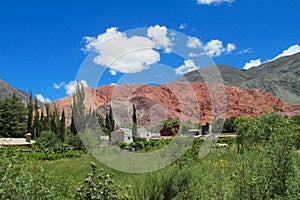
128 138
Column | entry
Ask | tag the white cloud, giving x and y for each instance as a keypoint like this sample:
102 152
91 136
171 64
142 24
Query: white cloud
112 72
183 26
246 51
129 54
193 54
158 34
71 86
288 52
230 47
252 63
189 65
213 2
193 43
58 86
113 84
215 48
40 98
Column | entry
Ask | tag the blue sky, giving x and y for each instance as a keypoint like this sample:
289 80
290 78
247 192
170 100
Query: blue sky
42 42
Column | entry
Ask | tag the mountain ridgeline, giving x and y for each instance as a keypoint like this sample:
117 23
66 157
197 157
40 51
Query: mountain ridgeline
7 91
279 77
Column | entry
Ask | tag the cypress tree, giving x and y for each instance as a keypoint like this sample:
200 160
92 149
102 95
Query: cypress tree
62 126
134 120
30 114
111 120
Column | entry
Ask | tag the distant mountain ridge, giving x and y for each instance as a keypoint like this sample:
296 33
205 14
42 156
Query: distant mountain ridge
279 77
7 90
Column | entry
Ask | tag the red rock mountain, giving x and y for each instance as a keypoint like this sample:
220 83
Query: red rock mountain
197 101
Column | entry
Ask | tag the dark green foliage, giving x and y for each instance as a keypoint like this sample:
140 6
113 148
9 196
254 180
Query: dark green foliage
259 131
109 121
169 123
30 114
62 127
48 139
99 186
13 117
73 126
134 122
17 181
229 126
78 107
268 145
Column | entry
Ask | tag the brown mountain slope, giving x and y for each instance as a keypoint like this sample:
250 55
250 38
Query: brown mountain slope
188 101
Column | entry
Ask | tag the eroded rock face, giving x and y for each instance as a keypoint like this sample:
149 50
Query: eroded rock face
195 101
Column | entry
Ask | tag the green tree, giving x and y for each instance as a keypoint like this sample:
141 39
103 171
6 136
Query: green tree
62 126
13 117
267 161
109 121
36 121
30 114
134 120
229 126
47 117
54 121
78 107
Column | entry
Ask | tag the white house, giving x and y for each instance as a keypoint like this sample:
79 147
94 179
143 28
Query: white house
143 133
122 135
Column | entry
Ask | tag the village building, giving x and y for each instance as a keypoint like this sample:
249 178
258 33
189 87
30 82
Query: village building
121 135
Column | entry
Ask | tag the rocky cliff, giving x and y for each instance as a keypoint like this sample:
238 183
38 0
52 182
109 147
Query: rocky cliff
195 101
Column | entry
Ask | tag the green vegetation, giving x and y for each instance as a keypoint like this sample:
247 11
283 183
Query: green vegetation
13 117
261 163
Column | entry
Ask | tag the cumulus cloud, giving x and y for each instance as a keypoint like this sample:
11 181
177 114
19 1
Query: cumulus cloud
252 63
288 52
158 34
40 98
193 43
129 54
189 65
213 48
71 86
183 26
213 2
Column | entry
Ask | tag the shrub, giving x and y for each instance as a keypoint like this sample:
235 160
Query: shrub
99 185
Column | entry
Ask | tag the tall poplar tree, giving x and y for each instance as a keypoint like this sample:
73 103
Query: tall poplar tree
30 114
62 126
134 120
36 121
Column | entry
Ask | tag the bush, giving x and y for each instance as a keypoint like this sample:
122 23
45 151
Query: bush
99 185
18 182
